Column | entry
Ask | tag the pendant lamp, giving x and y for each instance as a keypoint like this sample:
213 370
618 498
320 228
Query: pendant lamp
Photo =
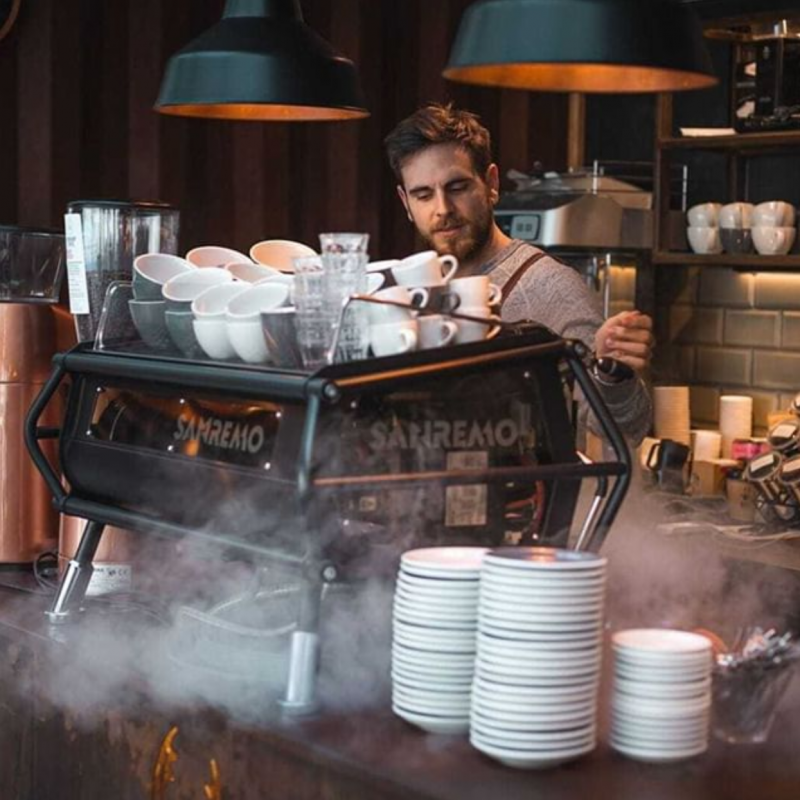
261 62
619 46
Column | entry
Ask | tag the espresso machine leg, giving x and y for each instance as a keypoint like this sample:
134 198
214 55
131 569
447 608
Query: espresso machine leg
301 685
72 588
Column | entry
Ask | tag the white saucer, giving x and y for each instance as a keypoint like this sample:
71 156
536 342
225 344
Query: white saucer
658 756
437 561
664 641
526 759
433 723
533 558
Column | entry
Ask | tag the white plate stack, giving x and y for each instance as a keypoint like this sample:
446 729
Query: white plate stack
433 648
671 415
735 420
540 617
662 694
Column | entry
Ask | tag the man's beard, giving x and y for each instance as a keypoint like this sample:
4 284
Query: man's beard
472 239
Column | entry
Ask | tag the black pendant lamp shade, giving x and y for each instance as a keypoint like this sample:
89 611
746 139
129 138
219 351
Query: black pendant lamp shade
261 62
617 46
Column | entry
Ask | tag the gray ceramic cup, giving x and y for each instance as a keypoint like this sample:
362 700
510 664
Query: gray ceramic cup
736 241
149 318
280 332
181 331
152 270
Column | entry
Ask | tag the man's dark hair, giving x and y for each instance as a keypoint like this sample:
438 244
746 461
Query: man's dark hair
438 124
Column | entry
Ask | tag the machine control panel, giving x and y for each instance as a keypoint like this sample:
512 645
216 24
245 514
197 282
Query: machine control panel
525 226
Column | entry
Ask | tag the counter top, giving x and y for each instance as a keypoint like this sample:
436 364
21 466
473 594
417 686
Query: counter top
369 754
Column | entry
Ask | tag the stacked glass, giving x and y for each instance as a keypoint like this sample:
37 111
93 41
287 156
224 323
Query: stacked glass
344 262
322 286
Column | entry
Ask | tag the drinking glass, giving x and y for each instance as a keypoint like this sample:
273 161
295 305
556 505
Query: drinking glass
745 702
316 317
344 262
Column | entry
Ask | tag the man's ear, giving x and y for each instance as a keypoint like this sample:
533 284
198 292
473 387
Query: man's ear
401 193
493 182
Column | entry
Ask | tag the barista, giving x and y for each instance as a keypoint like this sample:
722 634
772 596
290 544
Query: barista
449 187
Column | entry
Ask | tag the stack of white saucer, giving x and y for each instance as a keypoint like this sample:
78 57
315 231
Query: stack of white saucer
735 420
433 647
662 694
671 415
540 616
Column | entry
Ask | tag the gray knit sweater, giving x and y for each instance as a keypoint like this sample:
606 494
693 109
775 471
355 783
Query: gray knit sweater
555 295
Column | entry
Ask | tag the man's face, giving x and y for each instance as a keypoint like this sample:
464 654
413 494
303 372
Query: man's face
450 204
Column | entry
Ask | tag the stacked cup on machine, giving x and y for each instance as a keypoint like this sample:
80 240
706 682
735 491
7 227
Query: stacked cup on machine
433 647
537 669
662 694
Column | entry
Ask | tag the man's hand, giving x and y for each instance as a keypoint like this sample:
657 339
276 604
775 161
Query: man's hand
627 337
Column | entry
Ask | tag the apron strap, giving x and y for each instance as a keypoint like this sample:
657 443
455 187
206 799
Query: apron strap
512 282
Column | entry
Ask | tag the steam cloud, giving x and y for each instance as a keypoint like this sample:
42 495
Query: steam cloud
119 654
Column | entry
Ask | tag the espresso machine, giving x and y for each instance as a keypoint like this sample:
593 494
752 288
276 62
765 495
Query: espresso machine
31 271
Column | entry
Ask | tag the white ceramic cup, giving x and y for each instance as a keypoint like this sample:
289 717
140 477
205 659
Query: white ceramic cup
771 241
736 215
213 256
387 265
704 215
247 306
425 269
383 314
475 291
212 336
251 273
394 338
773 214
436 330
183 288
704 240
212 303
476 331
247 340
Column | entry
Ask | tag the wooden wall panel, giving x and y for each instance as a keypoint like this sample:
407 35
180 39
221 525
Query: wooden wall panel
34 119
9 144
145 65
79 78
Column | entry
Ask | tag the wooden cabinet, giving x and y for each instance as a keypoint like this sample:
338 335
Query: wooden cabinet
738 149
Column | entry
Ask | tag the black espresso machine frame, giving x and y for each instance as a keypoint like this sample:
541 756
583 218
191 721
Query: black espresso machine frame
471 444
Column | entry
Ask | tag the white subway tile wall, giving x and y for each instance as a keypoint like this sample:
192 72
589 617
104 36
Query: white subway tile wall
723 331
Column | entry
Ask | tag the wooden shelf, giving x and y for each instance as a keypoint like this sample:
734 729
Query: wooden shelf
754 262
741 142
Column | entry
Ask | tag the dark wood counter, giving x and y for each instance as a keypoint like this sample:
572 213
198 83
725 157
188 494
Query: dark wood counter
45 754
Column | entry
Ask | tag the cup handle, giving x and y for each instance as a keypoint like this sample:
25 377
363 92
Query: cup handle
450 302
453 261
495 294
449 329
409 339
421 294
649 460
496 329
